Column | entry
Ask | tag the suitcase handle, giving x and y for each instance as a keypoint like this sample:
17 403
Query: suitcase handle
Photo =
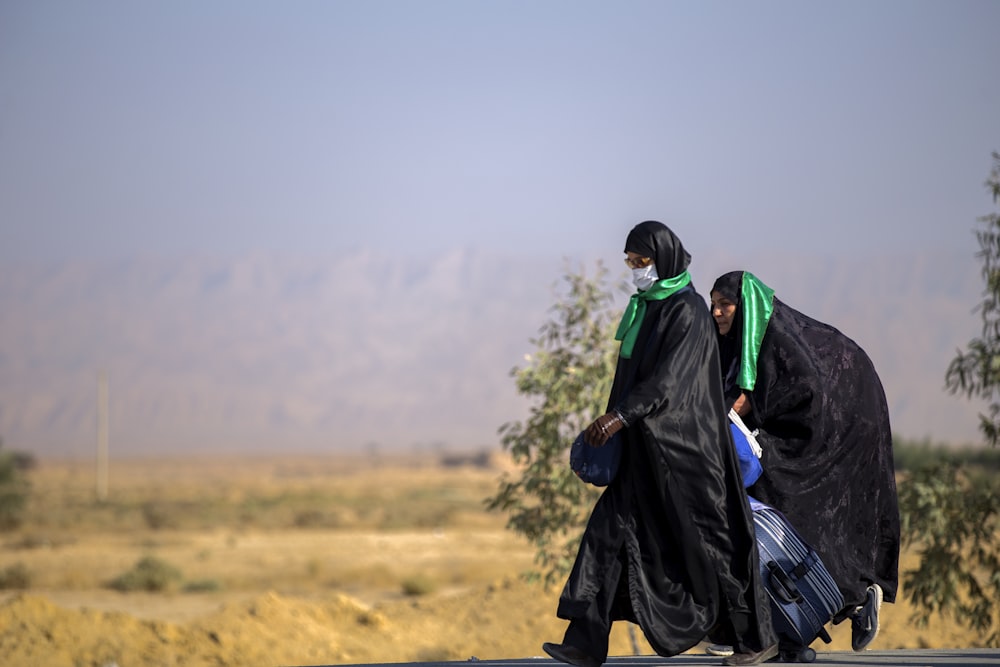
782 584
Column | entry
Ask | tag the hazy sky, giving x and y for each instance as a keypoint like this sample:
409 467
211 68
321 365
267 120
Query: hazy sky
223 128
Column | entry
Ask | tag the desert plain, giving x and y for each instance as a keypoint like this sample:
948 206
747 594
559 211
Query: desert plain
294 560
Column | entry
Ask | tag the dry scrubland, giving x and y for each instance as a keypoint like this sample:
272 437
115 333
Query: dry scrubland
294 561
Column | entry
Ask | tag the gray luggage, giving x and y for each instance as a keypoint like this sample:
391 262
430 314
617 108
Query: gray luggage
803 594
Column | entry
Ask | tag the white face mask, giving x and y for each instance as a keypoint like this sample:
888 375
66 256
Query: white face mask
643 278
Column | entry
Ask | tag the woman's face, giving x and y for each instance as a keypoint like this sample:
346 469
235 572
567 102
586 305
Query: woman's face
723 311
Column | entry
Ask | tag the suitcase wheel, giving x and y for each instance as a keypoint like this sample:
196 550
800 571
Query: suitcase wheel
797 655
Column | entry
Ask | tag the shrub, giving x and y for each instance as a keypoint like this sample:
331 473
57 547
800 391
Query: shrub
951 519
158 515
418 585
149 574
910 456
15 576
14 487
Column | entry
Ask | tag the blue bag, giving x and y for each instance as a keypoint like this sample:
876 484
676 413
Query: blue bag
749 463
599 465
596 465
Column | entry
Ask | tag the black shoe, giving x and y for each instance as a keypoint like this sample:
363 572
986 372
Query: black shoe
752 658
570 655
864 623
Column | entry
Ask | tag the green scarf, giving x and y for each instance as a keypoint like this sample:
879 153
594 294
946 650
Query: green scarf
757 301
635 311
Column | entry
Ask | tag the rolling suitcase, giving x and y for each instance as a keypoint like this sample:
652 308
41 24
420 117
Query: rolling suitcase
804 597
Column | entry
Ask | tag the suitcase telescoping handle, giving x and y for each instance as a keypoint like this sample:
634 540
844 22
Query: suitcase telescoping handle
782 584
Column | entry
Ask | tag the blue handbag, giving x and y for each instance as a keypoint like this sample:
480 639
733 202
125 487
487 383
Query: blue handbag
596 465
599 465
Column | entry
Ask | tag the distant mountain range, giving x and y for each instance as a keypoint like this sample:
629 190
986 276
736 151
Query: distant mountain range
368 352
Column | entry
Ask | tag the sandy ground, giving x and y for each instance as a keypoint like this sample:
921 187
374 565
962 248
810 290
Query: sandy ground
315 596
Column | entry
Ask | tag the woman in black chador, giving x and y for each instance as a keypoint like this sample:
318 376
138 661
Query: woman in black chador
824 428
670 543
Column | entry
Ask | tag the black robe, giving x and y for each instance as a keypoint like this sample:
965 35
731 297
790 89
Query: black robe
672 536
828 463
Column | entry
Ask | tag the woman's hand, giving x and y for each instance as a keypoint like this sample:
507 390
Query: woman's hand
602 429
742 405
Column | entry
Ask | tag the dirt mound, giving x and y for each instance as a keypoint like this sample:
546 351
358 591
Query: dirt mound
268 630
505 620
272 629
33 631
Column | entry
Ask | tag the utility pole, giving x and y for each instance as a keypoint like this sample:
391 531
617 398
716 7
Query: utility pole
102 436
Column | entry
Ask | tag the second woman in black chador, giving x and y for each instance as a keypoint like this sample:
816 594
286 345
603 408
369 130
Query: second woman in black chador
670 543
824 428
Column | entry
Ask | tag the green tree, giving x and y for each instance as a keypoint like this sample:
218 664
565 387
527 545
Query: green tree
951 513
568 378
976 371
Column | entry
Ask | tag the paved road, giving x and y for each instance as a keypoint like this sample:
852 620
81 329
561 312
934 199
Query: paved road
898 658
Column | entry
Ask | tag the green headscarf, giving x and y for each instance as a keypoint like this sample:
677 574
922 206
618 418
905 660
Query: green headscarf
757 302
635 311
